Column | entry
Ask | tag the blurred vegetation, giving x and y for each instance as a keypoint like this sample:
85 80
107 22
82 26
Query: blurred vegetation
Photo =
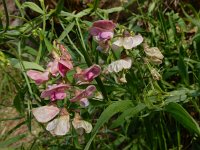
141 114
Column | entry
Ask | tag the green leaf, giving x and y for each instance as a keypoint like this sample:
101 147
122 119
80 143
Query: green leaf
66 31
5 144
111 110
27 65
48 44
183 69
183 117
127 114
59 6
33 6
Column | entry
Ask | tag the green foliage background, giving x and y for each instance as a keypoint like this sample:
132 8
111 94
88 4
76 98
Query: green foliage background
142 114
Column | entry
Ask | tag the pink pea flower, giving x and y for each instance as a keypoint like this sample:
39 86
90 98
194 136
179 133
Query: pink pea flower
61 64
55 92
38 77
81 96
88 74
102 29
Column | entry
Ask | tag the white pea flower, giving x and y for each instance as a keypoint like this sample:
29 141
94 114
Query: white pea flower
119 65
80 125
128 42
60 125
154 54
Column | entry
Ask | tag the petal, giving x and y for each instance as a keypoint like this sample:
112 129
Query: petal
92 72
130 42
119 65
119 42
52 125
63 125
88 74
60 95
45 113
53 67
65 54
64 66
37 76
84 102
106 35
53 89
115 66
126 63
79 124
90 90
104 24
95 31
153 52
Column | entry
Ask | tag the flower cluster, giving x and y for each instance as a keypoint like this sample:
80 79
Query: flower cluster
122 42
103 33
61 65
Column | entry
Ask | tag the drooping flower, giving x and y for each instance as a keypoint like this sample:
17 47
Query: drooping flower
38 77
81 125
61 125
45 113
155 74
119 65
82 96
62 63
154 54
55 92
128 42
88 74
102 29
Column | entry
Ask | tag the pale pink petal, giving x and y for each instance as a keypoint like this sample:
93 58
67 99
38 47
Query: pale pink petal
106 35
119 65
37 76
131 42
119 42
45 113
79 124
53 67
60 126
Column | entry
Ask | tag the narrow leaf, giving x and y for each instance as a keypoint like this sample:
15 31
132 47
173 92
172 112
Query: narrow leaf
27 65
66 31
111 110
183 117
127 114
5 144
33 6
